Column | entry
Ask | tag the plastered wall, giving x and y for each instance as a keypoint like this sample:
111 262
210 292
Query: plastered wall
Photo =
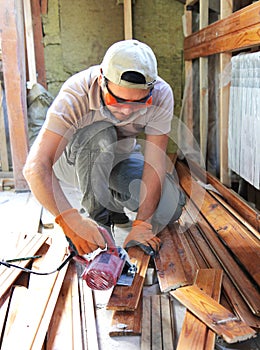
77 34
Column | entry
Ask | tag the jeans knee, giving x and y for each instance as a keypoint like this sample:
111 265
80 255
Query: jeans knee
98 137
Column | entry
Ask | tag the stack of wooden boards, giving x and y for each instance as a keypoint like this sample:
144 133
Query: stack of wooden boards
54 311
208 262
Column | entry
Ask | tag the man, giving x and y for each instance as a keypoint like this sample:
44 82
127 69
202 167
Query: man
89 140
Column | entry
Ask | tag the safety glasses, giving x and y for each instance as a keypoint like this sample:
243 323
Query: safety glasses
112 100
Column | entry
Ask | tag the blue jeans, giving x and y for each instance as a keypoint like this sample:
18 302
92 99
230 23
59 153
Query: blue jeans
110 181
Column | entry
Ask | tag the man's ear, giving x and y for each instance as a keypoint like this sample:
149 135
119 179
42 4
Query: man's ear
101 80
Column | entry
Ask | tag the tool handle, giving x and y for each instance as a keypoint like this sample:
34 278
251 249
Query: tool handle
110 241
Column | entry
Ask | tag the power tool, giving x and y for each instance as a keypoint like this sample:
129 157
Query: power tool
103 269
110 267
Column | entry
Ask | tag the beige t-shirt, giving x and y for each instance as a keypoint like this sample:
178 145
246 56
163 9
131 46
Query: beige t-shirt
78 104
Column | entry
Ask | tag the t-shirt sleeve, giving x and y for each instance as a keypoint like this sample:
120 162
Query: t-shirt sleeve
161 112
69 109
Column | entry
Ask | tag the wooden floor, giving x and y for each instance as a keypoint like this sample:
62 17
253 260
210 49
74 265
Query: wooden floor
21 219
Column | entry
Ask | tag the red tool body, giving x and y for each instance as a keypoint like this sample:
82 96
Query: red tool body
104 270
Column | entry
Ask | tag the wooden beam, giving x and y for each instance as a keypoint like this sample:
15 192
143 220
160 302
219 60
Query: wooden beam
225 59
236 32
13 50
3 139
204 91
29 44
38 40
128 19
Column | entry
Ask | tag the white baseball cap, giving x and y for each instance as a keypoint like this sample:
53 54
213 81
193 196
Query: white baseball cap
130 56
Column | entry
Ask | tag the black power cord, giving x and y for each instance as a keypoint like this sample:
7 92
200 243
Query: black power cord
24 269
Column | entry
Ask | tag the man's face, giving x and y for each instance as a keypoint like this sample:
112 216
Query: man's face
122 101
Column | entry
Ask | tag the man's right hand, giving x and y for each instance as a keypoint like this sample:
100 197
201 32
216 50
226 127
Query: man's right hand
83 233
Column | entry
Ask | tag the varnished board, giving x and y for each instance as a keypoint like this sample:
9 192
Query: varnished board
237 31
231 293
242 282
169 267
126 322
228 229
214 315
126 298
157 323
195 334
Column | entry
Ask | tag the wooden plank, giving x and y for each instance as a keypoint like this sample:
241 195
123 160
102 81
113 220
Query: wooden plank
146 324
39 7
31 312
228 229
126 298
230 291
188 261
128 19
13 51
167 321
238 31
29 44
9 275
157 323
170 271
214 315
18 294
195 334
126 322
244 285
220 199
65 325
3 140
89 329
45 321
249 214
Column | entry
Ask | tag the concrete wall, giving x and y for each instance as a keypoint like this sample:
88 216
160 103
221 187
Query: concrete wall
77 34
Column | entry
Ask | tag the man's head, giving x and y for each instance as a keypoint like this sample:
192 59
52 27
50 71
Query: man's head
128 74
131 64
